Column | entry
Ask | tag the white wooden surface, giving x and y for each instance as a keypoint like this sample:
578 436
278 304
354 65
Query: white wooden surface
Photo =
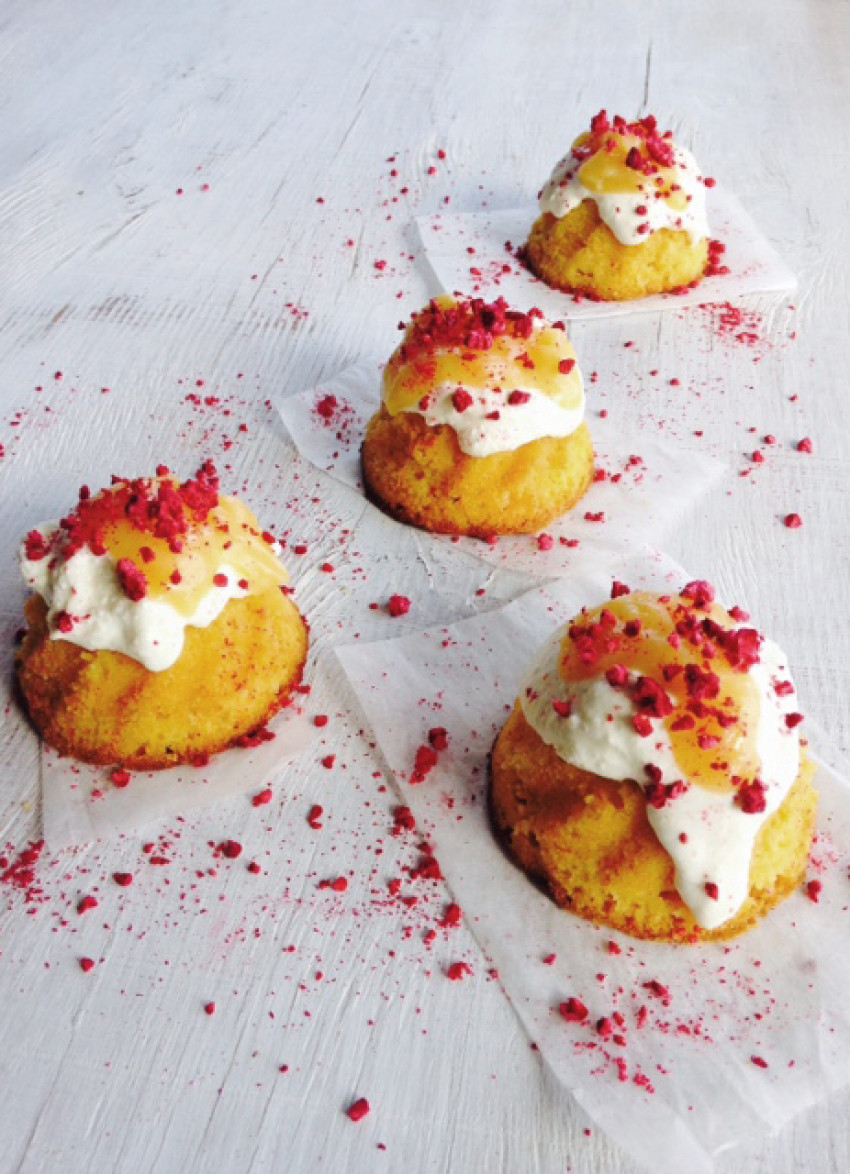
112 278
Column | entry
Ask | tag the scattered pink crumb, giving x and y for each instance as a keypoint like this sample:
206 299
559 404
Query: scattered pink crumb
358 1110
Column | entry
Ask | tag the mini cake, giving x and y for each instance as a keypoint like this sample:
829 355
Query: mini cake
622 216
480 431
651 773
160 631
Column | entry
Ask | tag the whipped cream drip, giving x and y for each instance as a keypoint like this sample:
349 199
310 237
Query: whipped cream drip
564 191
492 424
85 588
598 736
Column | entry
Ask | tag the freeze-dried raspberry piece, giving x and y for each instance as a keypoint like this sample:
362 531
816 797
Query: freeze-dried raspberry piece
132 580
573 1010
425 761
439 738
752 797
699 591
399 605
35 546
358 1110
458 970
650 698
700 684
451 916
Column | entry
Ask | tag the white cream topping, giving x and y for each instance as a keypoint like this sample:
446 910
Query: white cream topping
86 588
491 424
564 191
598 736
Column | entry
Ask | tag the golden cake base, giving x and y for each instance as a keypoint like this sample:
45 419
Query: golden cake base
579 253
418 474
589 842
106 708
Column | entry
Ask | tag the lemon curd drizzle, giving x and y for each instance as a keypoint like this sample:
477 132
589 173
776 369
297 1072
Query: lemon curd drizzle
607 171
640 180
697 657
480 347
227 537
171 540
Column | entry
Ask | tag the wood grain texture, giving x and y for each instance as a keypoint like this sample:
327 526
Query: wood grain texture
192 202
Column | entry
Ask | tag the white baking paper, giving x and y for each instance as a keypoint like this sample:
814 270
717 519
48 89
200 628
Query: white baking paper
753 1031
492 270
81 804
638 502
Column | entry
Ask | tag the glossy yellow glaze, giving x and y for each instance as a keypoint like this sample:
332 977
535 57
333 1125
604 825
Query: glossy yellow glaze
605 173
230 536
511 363
647 653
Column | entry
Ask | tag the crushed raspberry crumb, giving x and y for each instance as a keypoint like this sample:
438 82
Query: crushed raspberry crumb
326 406
231 849
573 1010
87 964
86 903
403 820
425 761
209 1008
451 916
458 970
399 605
700 592
123 879
439 738
314 817
751 797
793 521
35 546
658 990
358 1110
813 890
131 579
262 798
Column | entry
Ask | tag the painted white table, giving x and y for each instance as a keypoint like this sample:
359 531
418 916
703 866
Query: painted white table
192 201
